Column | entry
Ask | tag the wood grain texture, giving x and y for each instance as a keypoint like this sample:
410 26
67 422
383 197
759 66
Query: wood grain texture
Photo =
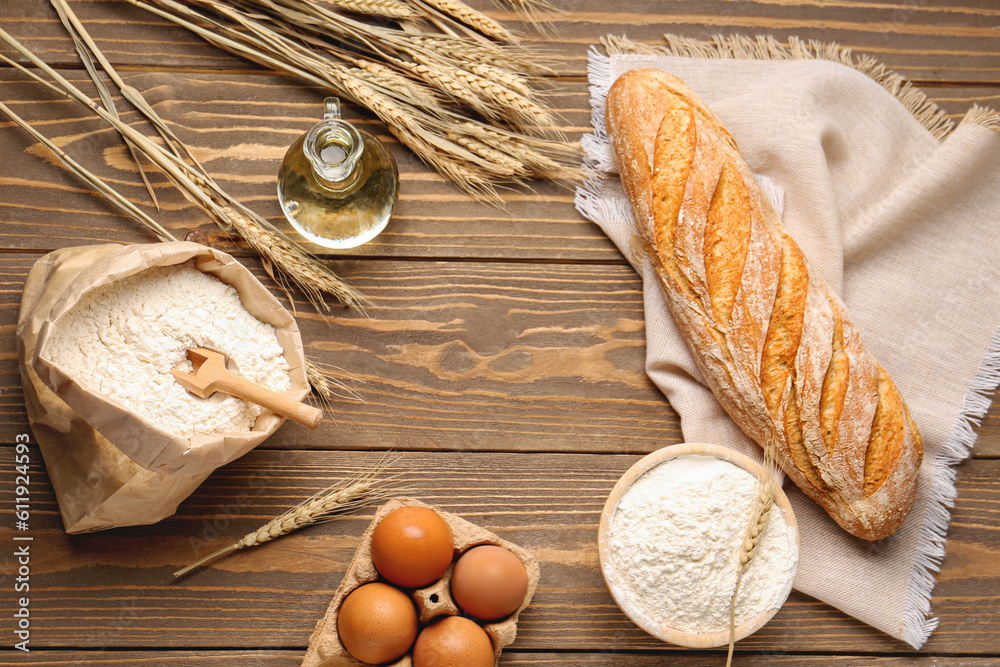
510 658
505 354
43 206
460 356
466 356
117 589
950 40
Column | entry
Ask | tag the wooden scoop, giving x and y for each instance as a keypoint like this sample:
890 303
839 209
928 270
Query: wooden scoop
211 375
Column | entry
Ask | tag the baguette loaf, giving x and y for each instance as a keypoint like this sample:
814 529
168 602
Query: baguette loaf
772 341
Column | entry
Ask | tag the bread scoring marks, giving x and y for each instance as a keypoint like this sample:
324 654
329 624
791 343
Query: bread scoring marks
726 244
888 434
674 154
853 430
812 365
758 358
751 311
689 231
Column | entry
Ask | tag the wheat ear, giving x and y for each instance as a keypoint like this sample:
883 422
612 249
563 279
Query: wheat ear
760 513
327 385
387 9
364 489
474 19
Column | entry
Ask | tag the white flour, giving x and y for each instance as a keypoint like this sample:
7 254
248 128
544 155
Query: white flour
121 340
675 538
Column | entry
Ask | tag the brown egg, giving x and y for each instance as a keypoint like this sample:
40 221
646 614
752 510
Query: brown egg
489 582
453 641
412 546
377 623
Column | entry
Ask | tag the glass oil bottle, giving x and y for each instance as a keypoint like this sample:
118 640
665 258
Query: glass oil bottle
338 185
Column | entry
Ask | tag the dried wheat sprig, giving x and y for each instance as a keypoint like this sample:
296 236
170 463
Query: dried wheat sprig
380 76
366 488
274 246
503 76
514 167
85 47
471 17
91 179
499 55
760 514
488 97
327 384
534 153
311 276
386 9
428 130
446 79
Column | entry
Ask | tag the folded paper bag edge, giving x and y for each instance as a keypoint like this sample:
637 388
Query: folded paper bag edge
91 473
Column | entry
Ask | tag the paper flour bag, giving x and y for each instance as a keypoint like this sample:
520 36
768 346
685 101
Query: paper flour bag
109 464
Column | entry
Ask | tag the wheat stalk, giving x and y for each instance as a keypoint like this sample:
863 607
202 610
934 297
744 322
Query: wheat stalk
354 60
502 76
85 48
499 55
275 248
91 179
378 75
325 381
387 9
472 18
488 96
362 490
759 515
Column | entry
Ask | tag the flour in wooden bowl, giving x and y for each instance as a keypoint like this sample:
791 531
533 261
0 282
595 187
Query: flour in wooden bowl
121 340
674 544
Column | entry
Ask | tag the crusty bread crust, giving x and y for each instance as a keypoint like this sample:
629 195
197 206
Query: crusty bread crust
772 341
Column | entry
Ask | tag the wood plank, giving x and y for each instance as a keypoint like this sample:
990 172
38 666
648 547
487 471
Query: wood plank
935 41
510 658
467 356
116 589
462 356
47 207
239 126
939 40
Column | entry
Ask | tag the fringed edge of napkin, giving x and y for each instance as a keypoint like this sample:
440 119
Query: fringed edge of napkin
931 547
917 626
983 117
766 47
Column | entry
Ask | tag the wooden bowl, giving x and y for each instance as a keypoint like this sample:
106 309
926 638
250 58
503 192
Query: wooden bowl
613 578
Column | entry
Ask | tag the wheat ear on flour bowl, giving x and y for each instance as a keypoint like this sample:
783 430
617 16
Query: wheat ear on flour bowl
772 341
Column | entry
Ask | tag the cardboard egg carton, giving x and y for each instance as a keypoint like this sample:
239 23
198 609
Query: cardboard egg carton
325 648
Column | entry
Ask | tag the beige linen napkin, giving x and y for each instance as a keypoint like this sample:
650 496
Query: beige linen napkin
900 214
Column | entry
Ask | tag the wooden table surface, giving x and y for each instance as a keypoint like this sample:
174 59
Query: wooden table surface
503 360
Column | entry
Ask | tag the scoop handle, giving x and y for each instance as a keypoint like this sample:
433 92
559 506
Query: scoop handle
235 385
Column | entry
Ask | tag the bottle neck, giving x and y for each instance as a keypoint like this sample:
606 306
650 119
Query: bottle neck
333 148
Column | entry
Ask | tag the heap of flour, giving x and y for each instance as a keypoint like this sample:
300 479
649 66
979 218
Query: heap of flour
675 540
121 340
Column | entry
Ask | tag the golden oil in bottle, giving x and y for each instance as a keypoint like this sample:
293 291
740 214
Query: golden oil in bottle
338 185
